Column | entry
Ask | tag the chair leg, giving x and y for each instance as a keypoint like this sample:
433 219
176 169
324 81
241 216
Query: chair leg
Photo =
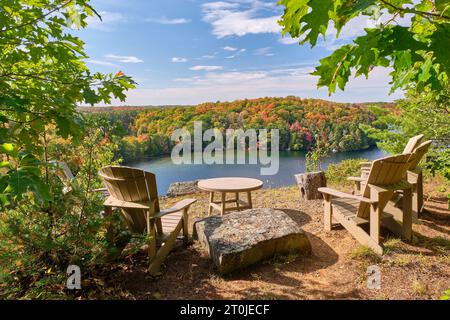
357 187
407 214
155 264
419 194
185 225
109 225
159 227
375 217
328 213
151 239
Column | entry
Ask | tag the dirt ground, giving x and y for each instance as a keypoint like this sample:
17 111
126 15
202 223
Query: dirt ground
336 269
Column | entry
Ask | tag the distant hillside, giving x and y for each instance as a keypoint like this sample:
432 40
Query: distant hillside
89 109
122 108
146 131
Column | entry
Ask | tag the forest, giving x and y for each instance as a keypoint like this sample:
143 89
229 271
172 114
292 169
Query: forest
146 132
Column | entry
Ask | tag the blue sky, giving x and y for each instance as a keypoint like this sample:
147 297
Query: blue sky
193 51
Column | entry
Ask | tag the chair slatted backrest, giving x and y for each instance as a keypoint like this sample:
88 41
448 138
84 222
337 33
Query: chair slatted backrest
64 169
385 171
413 143
132 185
419 153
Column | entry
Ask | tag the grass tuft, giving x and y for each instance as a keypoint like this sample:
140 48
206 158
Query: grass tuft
364 253
392 245
419 288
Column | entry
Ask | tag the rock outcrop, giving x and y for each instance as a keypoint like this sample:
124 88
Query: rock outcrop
182 188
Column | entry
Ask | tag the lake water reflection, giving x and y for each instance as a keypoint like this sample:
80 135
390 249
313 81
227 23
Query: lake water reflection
291 162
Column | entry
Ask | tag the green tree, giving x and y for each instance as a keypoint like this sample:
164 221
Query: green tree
43 78
419 114
417 53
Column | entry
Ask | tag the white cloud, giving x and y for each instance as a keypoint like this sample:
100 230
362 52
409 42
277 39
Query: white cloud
208 56
179 60
227 48
234 77
240 18
220 5
288 40
108 19
102 63
123 59
225 86
165 20
236 54
266 51
205 68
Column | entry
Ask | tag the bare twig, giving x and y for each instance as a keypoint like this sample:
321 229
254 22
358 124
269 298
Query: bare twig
422 13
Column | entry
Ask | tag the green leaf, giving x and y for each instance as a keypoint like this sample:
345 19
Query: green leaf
9 149
440 41
424 75
26 179
4 164
442 5
335 69
405 49
316 21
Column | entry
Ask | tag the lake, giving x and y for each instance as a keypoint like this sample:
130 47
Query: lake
291 162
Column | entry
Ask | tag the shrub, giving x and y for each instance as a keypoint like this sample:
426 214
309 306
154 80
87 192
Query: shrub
38 242
446 295
339 172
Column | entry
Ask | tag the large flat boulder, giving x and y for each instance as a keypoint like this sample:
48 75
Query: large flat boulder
240 239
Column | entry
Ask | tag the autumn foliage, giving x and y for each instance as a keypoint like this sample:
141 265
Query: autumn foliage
146 132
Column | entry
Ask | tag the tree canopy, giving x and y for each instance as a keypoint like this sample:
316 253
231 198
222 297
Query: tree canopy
417 51
43 78
302 124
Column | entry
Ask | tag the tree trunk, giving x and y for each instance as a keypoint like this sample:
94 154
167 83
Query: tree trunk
308 183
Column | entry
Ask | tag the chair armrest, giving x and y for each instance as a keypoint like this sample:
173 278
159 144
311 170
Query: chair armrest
183 204
356 179
412 176
113 202
365 164
101 190
339 194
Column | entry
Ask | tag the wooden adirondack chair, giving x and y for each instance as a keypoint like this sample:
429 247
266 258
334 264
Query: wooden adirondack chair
134 192
412 144
413 175
67 177
386 176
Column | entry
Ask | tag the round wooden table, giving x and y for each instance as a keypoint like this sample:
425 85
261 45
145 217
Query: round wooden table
230 185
